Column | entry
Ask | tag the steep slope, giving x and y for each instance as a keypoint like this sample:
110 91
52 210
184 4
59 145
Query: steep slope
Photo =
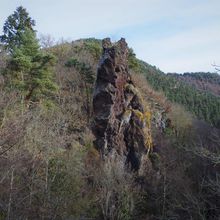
202 104
207 82
49 168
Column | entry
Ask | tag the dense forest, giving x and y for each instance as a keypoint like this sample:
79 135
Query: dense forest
204 103
49 167
208 82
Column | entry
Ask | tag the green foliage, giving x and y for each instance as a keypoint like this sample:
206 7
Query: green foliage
29 69
207 82
14 26
133 61
55 175
84 69
94 47
203 104
202 76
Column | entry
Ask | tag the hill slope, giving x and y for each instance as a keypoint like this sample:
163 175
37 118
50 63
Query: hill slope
202 103
49 168
196 92
208 82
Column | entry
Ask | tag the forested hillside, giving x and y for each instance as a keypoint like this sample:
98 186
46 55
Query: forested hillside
49 165
208 82
203 103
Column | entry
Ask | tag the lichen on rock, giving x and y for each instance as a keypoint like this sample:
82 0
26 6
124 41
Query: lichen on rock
121 122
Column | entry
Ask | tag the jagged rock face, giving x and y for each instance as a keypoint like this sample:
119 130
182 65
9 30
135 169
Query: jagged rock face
119 118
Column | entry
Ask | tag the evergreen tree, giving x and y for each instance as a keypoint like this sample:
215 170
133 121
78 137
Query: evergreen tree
29 69
14 26
203 104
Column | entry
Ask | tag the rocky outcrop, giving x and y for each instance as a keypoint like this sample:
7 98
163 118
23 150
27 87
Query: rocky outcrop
121 123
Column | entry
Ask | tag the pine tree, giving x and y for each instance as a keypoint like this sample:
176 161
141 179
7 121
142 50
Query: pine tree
29 68
14 26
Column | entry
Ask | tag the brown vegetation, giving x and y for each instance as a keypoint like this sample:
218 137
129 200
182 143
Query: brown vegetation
49 168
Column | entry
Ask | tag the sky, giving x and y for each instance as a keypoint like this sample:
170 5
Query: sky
174 35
